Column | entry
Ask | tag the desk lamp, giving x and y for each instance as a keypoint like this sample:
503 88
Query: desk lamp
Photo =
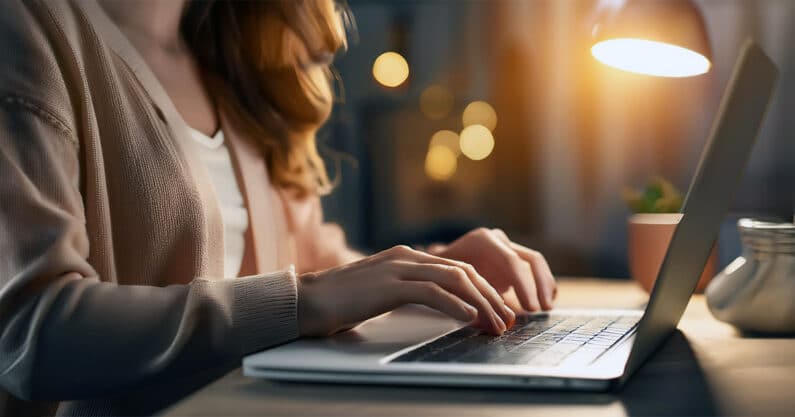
652 37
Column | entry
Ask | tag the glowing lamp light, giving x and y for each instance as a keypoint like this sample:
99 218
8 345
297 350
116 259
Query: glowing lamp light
476 142
650 57
447 139
390 69
480 113
440 163
652 37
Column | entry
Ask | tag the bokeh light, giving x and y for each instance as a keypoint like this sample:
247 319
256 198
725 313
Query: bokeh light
436 102
480 113
446 138
440 163
650 57
476 142
390 69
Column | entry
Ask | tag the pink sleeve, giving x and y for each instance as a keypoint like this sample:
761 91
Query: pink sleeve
318 245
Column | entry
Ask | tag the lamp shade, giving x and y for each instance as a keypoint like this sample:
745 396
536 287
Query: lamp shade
665 38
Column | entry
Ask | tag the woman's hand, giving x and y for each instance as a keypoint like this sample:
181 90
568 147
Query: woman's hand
339 298
506 265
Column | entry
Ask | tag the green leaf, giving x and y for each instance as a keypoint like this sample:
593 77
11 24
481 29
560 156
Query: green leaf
659 196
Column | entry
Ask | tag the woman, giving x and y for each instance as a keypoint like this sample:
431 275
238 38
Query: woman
148 150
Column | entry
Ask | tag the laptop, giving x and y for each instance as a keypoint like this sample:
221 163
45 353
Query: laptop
561 349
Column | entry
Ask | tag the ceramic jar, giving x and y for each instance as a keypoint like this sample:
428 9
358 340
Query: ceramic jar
756 292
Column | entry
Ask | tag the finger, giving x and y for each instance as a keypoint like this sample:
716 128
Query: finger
507 314
483 286
512 300
546 286
429 294
495 298
503 312
525 287
545 281
453 280
520 272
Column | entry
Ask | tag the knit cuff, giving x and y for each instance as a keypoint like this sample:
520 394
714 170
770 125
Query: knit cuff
265 310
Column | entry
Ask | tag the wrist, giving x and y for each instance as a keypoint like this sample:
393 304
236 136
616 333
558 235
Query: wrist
304 304
311 318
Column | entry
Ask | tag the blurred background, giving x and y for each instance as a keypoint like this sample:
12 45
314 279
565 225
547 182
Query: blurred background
554 135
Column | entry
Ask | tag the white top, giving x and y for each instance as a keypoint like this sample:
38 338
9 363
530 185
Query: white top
215 155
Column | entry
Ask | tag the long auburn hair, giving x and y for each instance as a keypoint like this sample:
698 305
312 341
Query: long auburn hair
268 65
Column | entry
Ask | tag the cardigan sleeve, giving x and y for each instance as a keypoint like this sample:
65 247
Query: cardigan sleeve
66 334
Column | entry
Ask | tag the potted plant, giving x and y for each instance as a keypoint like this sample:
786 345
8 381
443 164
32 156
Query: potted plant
650 229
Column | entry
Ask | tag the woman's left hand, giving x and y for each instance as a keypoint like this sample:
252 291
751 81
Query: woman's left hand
506 265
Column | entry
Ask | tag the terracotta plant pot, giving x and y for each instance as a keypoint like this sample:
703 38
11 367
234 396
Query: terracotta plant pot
648 238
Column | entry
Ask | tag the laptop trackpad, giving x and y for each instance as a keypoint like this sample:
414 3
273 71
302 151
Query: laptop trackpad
362 347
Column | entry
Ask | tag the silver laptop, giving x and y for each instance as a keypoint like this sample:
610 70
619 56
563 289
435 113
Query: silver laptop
563 349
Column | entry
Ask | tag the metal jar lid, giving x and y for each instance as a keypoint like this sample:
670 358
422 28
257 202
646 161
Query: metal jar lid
767 237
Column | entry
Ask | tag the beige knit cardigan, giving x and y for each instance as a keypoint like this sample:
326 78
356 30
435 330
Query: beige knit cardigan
112 299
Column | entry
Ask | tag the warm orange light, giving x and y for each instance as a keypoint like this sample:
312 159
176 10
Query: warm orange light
390 69
476 142
650 57
440 163
446 138
436 102
480 113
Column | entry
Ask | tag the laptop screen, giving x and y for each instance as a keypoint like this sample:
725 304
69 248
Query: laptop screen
722 164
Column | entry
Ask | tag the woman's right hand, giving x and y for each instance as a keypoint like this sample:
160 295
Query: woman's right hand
339 298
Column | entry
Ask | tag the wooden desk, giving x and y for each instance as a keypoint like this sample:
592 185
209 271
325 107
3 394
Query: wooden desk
707 369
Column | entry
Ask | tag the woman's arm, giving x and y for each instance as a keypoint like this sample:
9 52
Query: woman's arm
65 334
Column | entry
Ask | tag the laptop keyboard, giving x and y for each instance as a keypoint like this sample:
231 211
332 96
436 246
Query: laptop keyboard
534 340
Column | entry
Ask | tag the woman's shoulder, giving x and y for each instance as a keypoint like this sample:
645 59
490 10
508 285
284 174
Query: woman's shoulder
38 40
